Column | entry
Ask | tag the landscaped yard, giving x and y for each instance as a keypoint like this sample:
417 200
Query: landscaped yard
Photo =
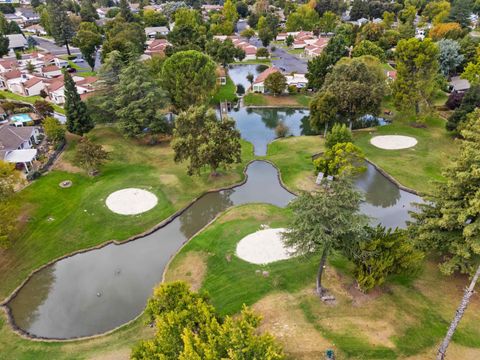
28 99
297 100
225 92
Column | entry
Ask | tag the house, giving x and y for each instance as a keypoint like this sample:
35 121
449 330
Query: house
16 144
221 75
157 47
9 79
28 16
459 85
316 47
17 42
50 71
258 83
33 86
8 64
56 88
14 18
298 80
155 31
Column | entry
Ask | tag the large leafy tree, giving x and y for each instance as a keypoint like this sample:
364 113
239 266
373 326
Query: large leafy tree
189 78
325 220
125 11
437 11
88 40
61 25
323 111
127 38
224 52
188 327
78 119
449 56
366 47
205 140
417 67
304 18
450 221
87 11
89 155
340 159
276 83
358 85
461 10
140 102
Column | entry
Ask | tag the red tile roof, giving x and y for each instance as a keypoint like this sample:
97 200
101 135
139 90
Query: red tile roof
31 82
261 78
12 74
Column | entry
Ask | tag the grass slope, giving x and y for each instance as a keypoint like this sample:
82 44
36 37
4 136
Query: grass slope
297 100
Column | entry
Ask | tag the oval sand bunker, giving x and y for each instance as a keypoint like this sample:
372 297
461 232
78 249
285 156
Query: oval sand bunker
131 201
393 142
263 247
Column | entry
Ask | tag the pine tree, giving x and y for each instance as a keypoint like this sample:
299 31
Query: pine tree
4 42
125 11
78 120
61 26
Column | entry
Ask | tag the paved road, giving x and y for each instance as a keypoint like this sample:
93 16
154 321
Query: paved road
49 45
287 62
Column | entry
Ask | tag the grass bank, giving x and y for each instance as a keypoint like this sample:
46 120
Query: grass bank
297 100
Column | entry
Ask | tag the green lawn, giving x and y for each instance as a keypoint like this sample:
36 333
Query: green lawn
225 92
256 61
80 70
406 317
296 100
28 99
416 167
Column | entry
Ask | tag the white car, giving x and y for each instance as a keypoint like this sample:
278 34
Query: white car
78 60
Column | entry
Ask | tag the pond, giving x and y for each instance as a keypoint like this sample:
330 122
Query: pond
257 125
98 290
238 74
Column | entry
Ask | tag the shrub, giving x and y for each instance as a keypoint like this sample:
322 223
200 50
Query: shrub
339 134
34 175
342 159
273 48
454 100
292 89
54 130
262 53
261 68
240 89
22 110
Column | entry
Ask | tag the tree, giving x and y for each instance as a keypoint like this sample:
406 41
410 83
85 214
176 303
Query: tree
242 9
61 24
445 31
54 130
276 83
460 11
323 111
328 22
229 11
44 108
386 252
289 40
88 40
125 11
367 47
204 140
449 221
339 134
154 18
417 66
248 33
9 178
250 78
470 101
359 86
224 52
262 53
324 220
89 155
127 38
4 43
388 19
265 33
88 12
442 351
188 327
449 57
140 102
359 10
341 159
78 120
437 11
304 18
189 78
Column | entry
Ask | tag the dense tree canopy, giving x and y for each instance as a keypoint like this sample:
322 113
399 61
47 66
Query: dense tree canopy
61 25
450 221
189 78
276 83
449 57
78 119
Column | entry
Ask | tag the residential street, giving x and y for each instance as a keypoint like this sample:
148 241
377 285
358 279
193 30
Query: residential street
49 45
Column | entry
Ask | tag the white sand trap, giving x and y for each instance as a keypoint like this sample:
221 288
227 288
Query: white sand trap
131 201
393 142
263 247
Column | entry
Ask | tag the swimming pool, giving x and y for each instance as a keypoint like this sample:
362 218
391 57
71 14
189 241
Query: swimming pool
21 118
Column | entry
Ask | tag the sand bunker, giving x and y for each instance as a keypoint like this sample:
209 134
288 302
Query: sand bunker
393 142
263 247
131 201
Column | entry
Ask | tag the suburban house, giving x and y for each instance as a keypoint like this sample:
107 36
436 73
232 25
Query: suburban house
9 79
55 89
28 16
316 48
155 31
16 145
298 80
17 42
249 49
33 86
156 47
50 71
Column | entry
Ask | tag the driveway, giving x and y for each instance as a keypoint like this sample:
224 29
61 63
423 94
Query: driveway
49 45
286 62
